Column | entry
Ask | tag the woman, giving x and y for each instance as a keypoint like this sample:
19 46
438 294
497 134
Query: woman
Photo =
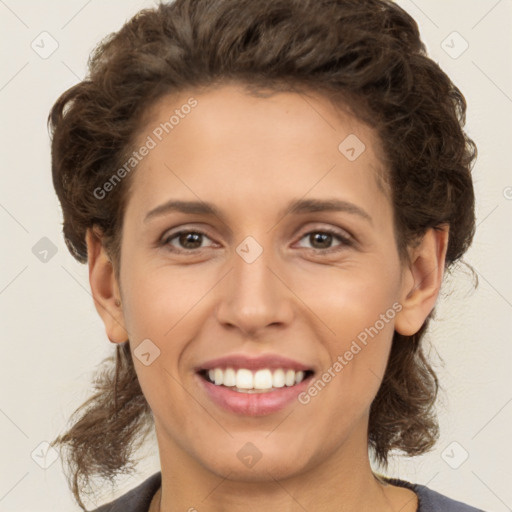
267 195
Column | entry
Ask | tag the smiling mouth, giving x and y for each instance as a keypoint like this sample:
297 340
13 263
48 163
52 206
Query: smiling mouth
265 380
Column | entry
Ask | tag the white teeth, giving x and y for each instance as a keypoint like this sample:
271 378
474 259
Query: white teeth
261 379
278 378
229 377
218 376
289 378
244 379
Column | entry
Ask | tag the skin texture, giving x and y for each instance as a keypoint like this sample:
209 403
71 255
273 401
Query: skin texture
251 156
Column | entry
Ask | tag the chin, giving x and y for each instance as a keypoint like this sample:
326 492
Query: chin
246 463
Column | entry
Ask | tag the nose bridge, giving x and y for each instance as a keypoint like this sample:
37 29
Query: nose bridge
254 296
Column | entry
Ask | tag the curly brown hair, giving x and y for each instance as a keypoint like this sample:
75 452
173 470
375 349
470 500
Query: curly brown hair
364 55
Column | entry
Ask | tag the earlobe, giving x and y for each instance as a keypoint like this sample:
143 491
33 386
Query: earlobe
422 280
104 288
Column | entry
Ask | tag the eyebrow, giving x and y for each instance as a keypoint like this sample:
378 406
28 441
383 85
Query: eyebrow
296 206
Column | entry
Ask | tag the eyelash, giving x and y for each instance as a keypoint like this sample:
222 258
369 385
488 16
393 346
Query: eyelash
345 240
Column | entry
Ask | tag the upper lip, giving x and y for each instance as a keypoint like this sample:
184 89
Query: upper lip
237 361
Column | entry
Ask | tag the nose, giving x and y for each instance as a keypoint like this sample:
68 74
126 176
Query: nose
255 294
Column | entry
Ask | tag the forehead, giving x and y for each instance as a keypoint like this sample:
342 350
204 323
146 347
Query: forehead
207 141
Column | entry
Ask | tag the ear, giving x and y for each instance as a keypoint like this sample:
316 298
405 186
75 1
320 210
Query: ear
421 280
105 288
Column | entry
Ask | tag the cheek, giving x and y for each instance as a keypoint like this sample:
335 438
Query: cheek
350 301
157 310
157 302
162 306
359 309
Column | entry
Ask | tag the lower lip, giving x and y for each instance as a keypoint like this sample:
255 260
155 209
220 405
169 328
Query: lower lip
253 404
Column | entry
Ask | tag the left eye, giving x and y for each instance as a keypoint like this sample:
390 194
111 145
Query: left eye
325 238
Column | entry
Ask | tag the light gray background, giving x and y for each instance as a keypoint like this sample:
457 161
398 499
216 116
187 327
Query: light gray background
52 337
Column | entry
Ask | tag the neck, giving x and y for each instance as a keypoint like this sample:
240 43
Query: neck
156 505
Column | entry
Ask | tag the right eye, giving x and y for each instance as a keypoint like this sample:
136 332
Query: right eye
188 240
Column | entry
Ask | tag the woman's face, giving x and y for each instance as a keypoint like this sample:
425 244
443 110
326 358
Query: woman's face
255 281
